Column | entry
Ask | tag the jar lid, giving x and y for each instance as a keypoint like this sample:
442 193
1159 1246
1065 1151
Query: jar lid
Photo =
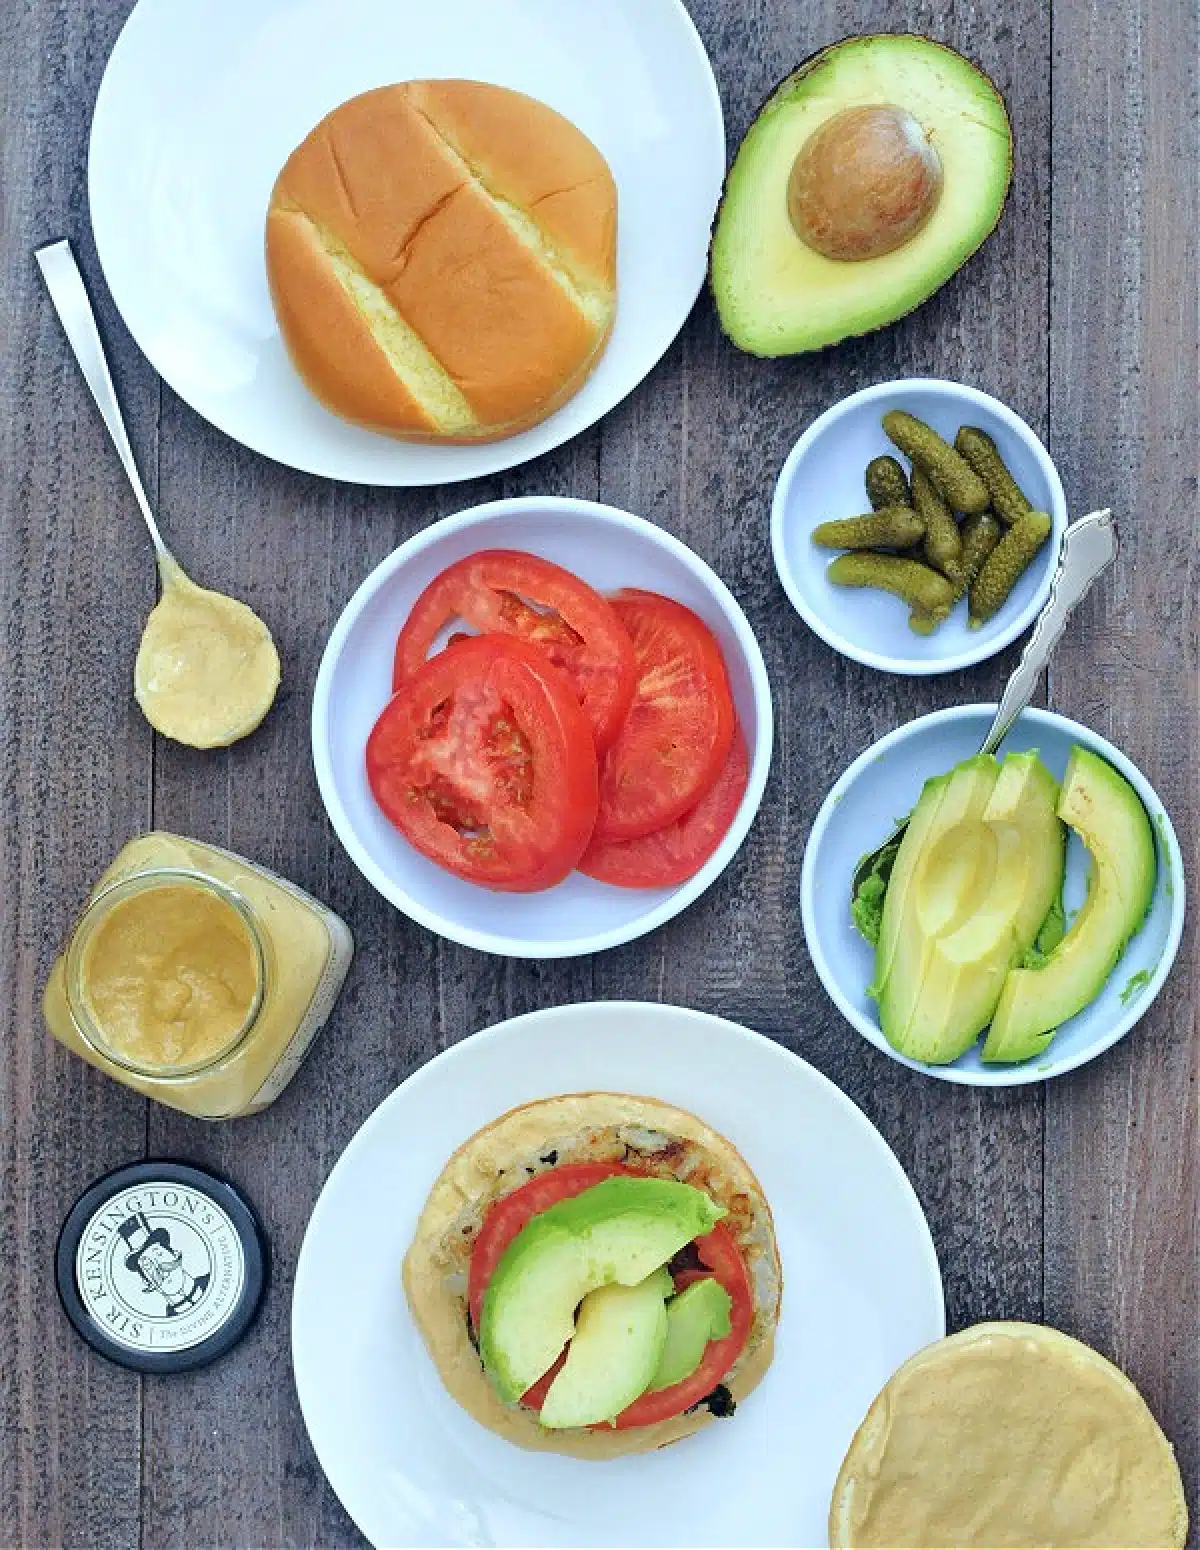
161 1266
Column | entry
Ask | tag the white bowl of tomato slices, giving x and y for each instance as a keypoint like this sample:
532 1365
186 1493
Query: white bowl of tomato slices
542 727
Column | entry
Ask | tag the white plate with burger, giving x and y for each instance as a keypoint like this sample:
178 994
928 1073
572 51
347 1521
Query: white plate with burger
582 1235
458 273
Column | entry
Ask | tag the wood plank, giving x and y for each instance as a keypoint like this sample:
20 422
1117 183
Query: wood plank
295 548
1122 1170
698 450
76 578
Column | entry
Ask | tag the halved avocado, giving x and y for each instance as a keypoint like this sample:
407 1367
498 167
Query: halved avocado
776 294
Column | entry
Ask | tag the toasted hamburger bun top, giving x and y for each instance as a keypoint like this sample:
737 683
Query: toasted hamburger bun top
442 259
582 1127
1009 1434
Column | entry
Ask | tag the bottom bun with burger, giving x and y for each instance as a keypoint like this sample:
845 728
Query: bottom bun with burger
596 1274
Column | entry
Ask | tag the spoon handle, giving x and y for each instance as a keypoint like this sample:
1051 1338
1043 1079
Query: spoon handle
67 292
1089 547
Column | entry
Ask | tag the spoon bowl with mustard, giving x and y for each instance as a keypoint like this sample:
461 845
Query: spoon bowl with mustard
207 669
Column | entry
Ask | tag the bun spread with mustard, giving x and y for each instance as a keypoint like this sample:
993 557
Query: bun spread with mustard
596 1274
1009 1434
442 260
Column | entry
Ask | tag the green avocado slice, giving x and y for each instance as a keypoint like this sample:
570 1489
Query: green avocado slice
614 1353
699 1313
775 295
1106 812
619 1231
978 880
965 788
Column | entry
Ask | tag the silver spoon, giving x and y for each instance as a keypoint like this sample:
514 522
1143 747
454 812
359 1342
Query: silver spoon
1089 547
67 292
207 669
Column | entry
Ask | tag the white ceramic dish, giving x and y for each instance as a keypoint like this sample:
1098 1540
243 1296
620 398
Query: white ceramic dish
203 100
881 786
609 549
823 479
862 1292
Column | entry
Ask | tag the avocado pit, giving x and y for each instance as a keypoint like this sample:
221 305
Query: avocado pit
864 183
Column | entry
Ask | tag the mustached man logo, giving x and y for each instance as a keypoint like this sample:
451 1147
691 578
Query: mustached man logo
160 1266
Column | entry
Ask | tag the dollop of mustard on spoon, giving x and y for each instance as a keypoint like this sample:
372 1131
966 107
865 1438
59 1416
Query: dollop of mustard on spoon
207 669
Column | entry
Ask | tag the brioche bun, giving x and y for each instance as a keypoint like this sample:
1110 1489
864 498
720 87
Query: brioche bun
1009 1434
442 260
582 1127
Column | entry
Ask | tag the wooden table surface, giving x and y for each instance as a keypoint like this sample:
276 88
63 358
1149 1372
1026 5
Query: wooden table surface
1075 1202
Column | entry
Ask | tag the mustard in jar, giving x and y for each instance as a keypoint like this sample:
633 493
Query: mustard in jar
197 977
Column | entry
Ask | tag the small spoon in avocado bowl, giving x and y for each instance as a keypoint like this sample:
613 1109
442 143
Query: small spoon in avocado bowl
207 668
1089 547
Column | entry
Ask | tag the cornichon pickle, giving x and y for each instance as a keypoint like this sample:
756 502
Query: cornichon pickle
978 448
980 535
943 546
892 527
958 482
1005 565
887 483
930 596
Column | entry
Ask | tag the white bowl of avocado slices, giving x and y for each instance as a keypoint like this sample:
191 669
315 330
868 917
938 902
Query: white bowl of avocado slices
1030 915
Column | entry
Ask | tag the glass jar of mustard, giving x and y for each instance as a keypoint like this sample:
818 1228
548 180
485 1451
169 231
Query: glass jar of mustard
197 977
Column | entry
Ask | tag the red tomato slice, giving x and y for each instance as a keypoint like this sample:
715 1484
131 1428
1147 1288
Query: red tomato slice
677 734
485 763
718 1250
671 855
510 1213
535 1398
505 592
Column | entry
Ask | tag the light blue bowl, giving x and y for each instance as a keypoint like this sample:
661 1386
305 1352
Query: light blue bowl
823 478
881 786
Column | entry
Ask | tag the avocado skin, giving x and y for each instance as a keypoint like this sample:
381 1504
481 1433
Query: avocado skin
786 84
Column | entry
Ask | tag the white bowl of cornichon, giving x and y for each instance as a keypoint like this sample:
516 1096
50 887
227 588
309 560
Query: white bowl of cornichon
622 1295
916 526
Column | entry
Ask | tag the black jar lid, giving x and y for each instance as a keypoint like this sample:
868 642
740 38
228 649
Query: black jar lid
161 1266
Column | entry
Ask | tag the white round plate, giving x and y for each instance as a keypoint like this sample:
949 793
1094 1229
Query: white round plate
862 1293
203 101
607 548
823 479
881 786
